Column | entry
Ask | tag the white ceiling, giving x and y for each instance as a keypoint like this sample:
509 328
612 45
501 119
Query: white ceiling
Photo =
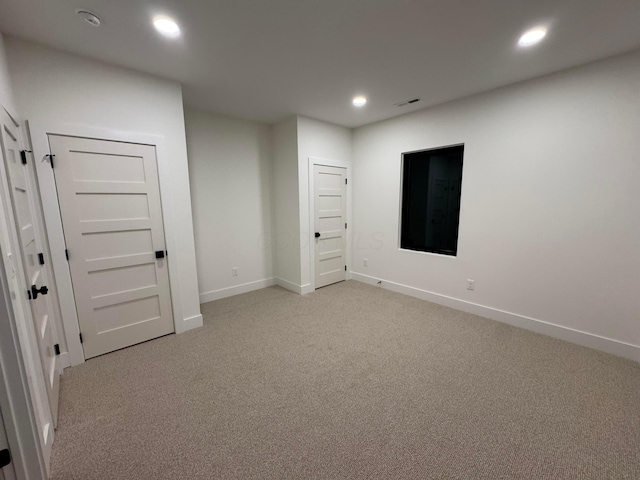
266 59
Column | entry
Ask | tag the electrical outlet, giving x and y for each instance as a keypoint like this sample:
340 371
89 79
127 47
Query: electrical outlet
234 271
365 262
471 284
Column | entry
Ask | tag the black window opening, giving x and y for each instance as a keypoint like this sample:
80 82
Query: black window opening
431 200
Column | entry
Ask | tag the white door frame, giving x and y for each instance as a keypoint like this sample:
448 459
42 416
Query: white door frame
24 400
39 132
312 241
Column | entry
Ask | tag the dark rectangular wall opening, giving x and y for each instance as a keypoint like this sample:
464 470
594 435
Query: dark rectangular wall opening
432 181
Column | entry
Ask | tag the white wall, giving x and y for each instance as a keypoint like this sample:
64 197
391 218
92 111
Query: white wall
286 213
230 172
325 141
549 223
294 140
56 87
6 93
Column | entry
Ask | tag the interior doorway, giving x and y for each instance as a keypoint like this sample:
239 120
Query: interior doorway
109 201
330 224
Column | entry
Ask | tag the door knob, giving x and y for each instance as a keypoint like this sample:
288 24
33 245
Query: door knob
317 234
35 291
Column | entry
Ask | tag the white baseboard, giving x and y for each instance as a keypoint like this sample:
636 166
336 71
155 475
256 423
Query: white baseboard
189 323
235 290
294 287
614 347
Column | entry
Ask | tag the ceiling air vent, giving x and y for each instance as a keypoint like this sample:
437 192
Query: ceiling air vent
404 103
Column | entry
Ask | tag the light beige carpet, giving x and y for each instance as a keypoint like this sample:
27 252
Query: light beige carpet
351 382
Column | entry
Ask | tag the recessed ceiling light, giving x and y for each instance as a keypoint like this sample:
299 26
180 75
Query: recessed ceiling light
533 36
359 101
166 26
91 18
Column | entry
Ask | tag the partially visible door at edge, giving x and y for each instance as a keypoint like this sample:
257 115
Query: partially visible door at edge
330 216
112 220
25 209
7 472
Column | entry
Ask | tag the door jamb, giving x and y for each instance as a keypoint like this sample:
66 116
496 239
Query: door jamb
39 132
312 161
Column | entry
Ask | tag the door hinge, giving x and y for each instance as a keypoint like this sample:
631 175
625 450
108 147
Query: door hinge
23 156
345 268
50 155
41 258
56 348
345 226
5 458
81 337
345 181
66 254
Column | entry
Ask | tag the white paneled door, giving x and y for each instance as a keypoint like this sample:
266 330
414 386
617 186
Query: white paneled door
330 217
112 219
26 209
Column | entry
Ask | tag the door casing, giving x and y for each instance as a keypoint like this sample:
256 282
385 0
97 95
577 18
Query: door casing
86 259
312 244
39 132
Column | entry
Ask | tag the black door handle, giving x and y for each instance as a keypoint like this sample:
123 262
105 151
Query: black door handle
317 234
35 291
5 458
160 254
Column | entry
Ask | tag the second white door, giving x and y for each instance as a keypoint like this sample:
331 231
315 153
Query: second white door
112 219
26 208
330 217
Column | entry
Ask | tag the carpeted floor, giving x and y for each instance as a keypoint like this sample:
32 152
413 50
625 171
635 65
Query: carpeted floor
350 382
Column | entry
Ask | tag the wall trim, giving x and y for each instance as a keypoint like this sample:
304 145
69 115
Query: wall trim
236 290
189 323
294 287
579 337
